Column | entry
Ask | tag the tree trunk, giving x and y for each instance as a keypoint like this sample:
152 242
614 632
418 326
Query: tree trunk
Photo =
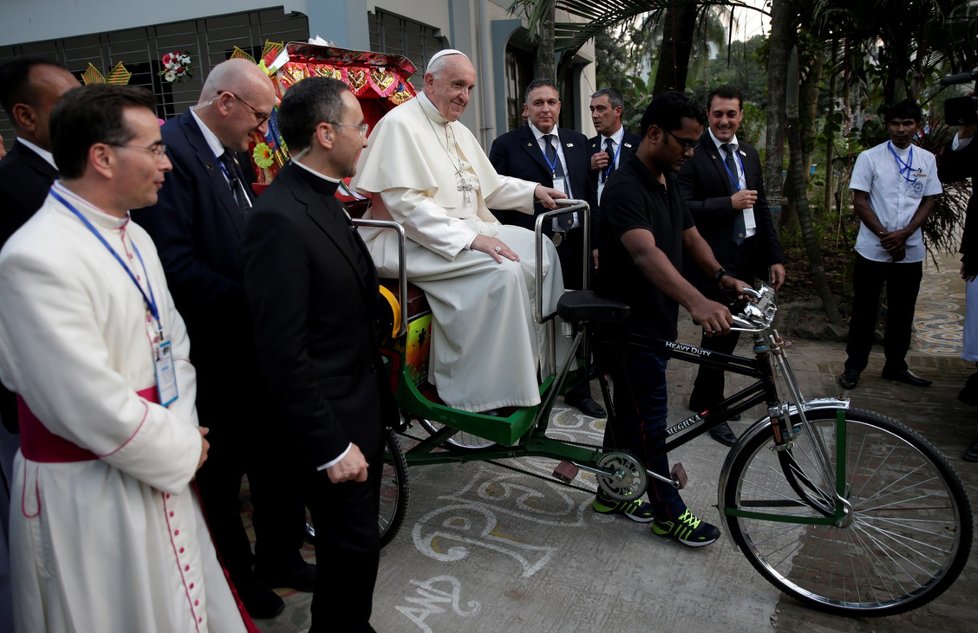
677 45
799 190
546 64
780 41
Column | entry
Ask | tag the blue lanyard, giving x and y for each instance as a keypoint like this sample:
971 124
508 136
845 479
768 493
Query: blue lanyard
735 177
903 166
611 163
149 300
553 165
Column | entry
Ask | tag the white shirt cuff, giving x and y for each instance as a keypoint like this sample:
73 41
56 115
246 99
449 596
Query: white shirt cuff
333 462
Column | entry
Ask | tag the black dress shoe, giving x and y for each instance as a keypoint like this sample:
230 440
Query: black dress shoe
258 599
848 379
301 578
906 376
971 455
723 434
586 405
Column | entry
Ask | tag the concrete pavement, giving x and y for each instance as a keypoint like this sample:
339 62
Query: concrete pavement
487 550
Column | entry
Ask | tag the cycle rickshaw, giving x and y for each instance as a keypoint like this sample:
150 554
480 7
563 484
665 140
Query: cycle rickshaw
846 510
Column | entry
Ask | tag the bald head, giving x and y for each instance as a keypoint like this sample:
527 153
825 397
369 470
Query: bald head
236 100
449 82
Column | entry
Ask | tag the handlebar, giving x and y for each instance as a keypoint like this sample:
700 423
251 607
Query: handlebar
758 314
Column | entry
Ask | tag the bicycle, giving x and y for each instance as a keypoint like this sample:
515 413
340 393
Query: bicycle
846 510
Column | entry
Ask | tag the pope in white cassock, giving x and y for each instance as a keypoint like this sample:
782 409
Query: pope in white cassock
427 171
106 534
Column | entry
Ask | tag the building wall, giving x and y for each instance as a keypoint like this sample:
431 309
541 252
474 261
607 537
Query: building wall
479 28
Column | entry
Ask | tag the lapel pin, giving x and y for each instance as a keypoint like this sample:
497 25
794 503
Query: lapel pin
570 145
628 145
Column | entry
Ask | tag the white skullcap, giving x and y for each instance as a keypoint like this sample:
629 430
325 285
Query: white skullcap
444 53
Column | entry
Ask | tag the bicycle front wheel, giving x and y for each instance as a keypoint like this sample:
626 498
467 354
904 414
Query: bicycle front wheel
903 542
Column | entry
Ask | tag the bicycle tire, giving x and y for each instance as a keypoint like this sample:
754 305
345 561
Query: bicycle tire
911 529
461 440
393 489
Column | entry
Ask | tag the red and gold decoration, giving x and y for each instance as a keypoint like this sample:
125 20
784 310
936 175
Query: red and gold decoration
379 81
118 76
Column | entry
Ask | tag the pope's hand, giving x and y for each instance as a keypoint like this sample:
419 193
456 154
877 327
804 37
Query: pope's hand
494 247
547 196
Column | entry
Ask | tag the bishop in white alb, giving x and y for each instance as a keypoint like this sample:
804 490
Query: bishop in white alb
106 533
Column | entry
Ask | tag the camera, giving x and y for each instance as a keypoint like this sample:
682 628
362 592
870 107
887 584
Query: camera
961 110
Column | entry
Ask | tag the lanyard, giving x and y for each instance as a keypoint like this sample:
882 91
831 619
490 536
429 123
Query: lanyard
735 177
906 168
612 162
553 165
150 299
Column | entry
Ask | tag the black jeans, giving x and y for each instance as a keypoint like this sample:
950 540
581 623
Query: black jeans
639 422
902 284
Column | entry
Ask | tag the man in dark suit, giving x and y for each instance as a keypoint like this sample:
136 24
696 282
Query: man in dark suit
29 89
611 147
197 226
313 292
723 187
554 157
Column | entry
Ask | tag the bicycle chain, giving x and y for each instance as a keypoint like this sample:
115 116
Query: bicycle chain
547 478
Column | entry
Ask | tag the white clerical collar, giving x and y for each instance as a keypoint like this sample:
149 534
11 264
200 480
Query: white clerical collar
217 148
92 212
537 134
718 142
312 171
43 153
617 137
429 109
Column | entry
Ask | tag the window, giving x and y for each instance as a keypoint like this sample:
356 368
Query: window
208 41
395 35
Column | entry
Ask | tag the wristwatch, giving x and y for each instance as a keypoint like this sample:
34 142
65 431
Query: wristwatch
719 274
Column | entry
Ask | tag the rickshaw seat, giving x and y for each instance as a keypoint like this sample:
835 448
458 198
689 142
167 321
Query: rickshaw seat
576 306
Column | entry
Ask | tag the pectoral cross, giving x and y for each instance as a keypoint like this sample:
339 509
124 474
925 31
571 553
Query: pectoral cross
465 187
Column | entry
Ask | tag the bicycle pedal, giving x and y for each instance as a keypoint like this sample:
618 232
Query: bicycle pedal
566 471
678 474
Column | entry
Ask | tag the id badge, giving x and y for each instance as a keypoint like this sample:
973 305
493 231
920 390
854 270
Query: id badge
166 376
559 184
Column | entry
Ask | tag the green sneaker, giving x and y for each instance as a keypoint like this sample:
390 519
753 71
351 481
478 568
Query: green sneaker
636 509
687 529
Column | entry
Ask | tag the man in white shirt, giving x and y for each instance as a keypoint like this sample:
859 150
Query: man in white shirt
894 186
426 171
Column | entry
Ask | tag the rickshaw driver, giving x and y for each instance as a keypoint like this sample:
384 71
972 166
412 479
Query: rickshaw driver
425 170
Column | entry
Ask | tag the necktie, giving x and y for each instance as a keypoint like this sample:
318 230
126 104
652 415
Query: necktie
563 222
609 147
558 169
740 230
236 180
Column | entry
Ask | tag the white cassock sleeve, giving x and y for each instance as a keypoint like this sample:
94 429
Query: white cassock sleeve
61 341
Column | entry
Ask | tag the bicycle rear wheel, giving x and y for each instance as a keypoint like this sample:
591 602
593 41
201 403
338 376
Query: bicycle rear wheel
393 489
906 540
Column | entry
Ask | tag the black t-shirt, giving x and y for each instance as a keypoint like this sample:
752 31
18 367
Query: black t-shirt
634 199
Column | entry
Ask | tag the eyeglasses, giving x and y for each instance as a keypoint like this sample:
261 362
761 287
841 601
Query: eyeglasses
688 144
261 116
158 150
363 127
